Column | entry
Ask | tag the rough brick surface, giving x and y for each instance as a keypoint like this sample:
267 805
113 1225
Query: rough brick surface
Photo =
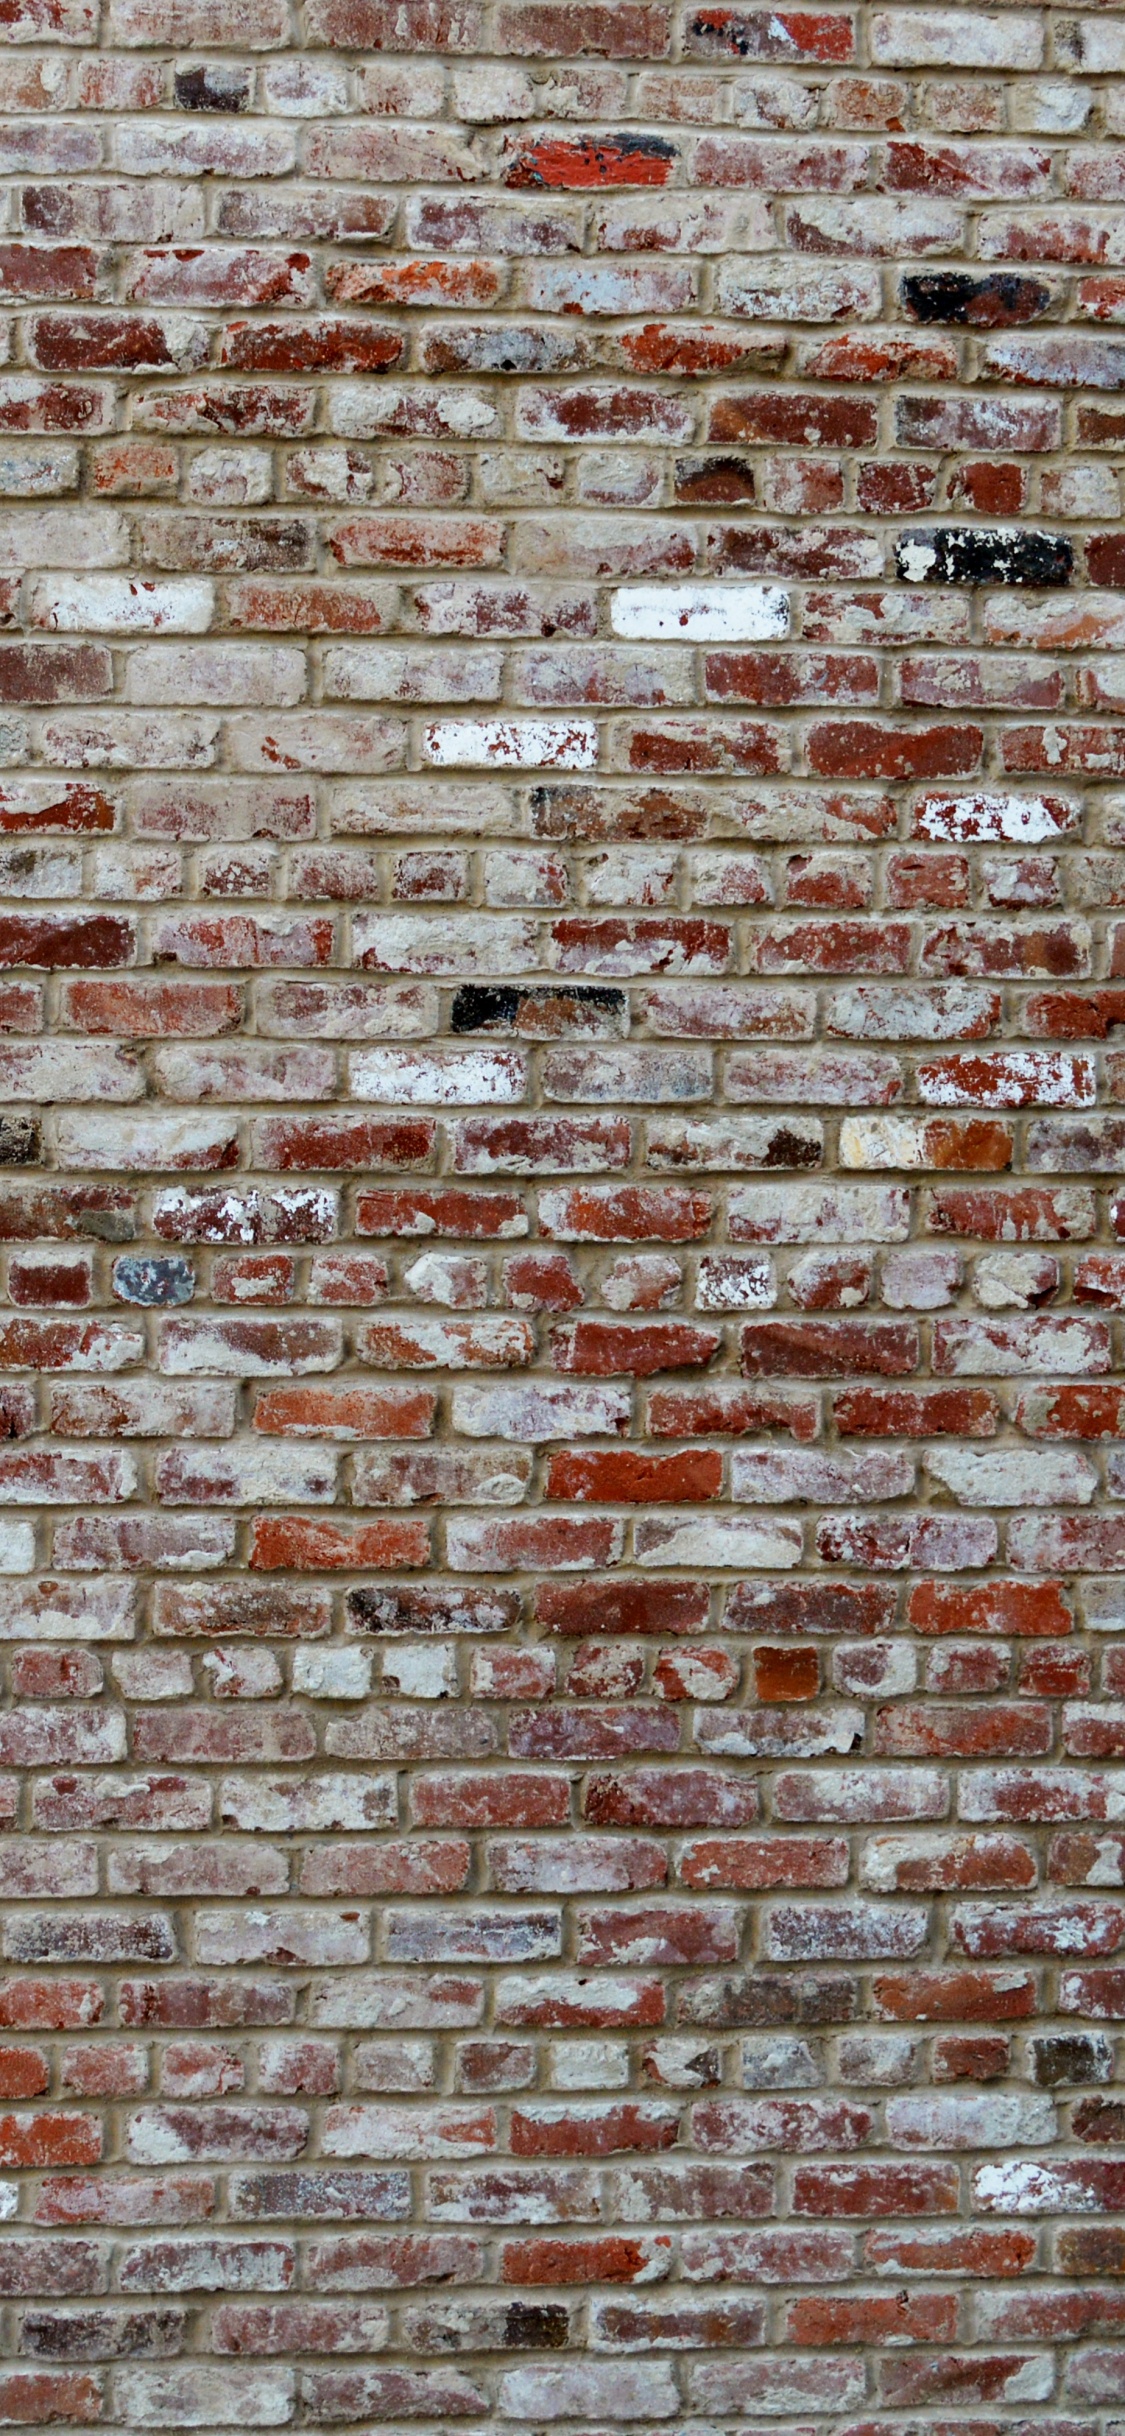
562 1390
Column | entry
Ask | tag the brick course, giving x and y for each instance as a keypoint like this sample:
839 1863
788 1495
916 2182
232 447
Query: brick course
562 1049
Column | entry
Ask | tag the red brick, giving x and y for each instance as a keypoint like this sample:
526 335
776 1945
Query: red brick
495 1402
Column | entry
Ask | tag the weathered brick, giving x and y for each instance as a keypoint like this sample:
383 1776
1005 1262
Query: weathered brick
562 1170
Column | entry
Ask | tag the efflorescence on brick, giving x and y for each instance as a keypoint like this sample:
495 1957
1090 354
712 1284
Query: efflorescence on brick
562 1061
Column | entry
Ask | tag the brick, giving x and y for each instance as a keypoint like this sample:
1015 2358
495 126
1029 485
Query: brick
563 1089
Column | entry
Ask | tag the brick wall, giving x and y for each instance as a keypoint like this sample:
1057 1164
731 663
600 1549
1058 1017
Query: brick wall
562 719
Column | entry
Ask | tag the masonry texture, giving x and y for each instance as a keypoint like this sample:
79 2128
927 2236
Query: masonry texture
562 1564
